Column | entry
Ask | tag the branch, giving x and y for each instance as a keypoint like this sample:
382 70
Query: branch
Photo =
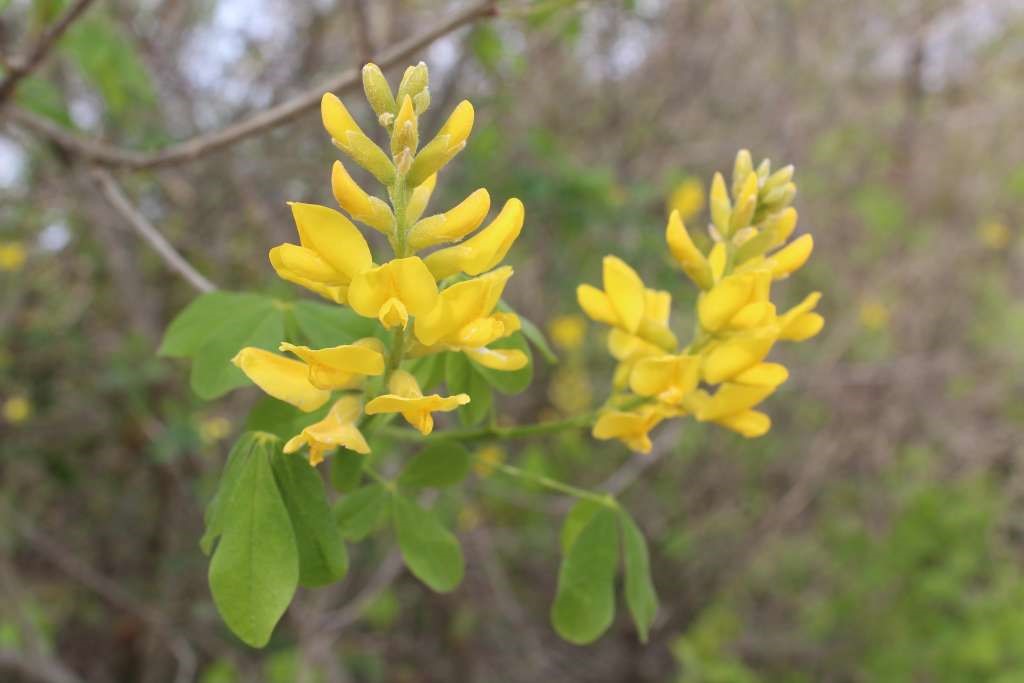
107 155
115 195
22 68
38 668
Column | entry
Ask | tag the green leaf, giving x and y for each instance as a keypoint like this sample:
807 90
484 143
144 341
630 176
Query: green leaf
215 509
486 45
362 512
444 463
325 325
255 568
585 602
281 419
213 374
203 318
640 595
346 470
322 556
577 519
431 552
513 382
429 371
461 377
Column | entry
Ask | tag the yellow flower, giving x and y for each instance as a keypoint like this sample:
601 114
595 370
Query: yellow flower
464 320
17 409
630 427
732 404
407 399
213 429
626 305
331 251
692 260
451 225
394 291
874 314
283 378
568 331
669 378
338 428
341 367
994 235
687 198
363 207
487 460
801 322
485 249
12 256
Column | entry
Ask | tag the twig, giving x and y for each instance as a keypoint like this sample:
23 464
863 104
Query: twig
19 69
386 573
361 28
108 155
115 195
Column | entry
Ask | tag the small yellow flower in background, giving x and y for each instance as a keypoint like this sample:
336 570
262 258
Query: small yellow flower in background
687 198
468 518
407 399
338 428
488 459
874 314
994 235
17 409
213 429
570 390
12 256
568 331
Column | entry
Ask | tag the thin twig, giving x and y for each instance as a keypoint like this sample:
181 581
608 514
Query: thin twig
115 195
387 572
19 69
108 155
40 668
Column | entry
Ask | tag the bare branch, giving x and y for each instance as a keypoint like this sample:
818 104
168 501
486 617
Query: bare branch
107 155
39 668
110 188
21 68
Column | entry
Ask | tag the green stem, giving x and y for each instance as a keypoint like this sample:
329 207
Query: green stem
606 499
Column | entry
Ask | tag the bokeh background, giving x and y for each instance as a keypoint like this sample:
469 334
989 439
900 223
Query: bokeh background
873 535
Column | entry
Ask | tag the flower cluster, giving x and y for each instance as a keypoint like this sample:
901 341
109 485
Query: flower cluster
721 375
443 301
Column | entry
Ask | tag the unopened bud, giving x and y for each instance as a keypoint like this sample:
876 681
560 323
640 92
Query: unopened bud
378 92
414 80
368 155
405 135
721 207
742 167
421 100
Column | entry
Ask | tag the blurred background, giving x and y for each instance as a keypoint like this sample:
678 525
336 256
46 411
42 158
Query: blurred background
874 534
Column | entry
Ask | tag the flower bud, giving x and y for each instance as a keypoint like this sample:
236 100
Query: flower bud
414 80
378 92
721 207
361 206
405 135
742 167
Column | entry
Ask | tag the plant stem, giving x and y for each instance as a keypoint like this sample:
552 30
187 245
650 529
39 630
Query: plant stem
606 499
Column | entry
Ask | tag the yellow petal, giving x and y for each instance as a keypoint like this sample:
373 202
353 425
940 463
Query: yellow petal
802 327
461 304
753 315
484 250
686 253
670 378
626 292
763 374
657 306
721 207
631 428
419 199
337 367
716 260
284 379
782 225
732 399
358 203
792 256
292 261
723 301
459 124
750 423
729 358
406 281
333 237
338 428
409 401
336 118
498 359
452 225
596 304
